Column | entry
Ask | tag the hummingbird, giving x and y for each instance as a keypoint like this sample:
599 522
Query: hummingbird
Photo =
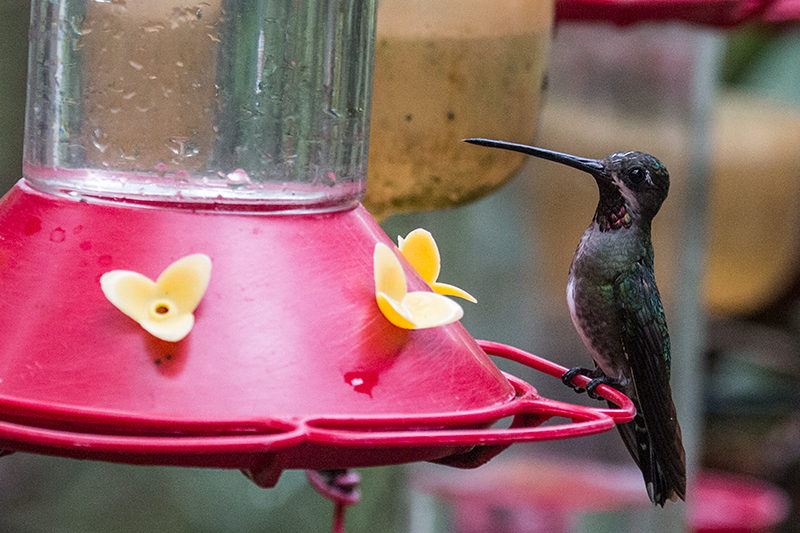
616 308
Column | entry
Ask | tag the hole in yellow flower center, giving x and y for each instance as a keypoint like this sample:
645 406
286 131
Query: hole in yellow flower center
161 309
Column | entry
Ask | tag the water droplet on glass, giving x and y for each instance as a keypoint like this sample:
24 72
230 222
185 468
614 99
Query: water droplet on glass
180 149
76 24
100 147
152 28
97 136
238 176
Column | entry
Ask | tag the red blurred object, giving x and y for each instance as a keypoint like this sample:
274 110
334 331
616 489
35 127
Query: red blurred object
716 13
533 495
728 503
289 365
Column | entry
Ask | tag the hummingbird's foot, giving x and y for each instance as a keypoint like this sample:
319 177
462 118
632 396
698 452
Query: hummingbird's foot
594 373
602 380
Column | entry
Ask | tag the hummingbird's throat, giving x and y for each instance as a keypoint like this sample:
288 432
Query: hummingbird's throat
616 207
613 219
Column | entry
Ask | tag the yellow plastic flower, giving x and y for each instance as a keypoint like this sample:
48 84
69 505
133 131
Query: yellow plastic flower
165 307
421 251
408 310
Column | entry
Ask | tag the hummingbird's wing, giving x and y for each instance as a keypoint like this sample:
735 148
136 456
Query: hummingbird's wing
654 437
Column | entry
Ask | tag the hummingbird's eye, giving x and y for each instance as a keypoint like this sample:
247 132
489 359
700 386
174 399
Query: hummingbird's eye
637 174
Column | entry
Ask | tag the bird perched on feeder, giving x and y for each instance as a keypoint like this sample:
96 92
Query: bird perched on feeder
616 308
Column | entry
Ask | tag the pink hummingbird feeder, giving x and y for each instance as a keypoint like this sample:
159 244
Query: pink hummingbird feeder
187 276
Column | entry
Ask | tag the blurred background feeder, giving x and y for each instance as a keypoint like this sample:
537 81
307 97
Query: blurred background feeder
446 70
555 494
714 13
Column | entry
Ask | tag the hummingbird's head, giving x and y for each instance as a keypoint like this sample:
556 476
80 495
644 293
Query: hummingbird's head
633 185
641 180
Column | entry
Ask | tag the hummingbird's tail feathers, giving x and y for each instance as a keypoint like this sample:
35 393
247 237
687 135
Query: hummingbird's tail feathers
670 457
663 464
657 433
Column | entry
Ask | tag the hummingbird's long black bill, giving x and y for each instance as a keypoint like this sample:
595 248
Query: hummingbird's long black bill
592 166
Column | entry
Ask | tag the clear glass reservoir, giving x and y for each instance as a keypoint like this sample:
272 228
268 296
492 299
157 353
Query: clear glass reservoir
254 104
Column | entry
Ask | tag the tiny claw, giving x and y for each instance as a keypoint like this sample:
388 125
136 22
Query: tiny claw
591 387
570 374
567 377
590 390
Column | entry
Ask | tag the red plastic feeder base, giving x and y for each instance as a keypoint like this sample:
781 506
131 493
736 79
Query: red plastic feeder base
289 365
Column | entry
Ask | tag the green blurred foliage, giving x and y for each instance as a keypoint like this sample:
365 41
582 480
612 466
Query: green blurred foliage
764 59
744 48
53 495
14 16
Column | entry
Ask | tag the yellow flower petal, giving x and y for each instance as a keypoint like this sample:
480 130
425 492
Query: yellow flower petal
451 290
129 291
185 281
394 311
172 330
163 307
408 310
429 310
421 251
389 276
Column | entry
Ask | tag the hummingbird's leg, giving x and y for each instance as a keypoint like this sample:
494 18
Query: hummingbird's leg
593 373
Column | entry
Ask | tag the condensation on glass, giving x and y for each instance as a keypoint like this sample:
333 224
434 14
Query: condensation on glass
235 103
